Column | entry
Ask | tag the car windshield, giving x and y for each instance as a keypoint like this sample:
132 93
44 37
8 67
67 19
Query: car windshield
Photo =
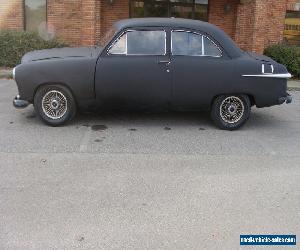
107 36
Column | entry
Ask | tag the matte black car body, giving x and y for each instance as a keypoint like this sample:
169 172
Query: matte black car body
176 82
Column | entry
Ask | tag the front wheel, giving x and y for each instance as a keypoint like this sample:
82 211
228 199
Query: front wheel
230 112
54 104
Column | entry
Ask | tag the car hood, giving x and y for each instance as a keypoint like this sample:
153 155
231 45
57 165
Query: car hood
61 53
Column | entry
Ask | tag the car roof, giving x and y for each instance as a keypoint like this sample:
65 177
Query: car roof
213 31
164 22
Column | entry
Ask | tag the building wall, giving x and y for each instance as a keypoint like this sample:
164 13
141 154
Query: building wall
224 18
84 22
111 13
88 22
11 14
65 18
253 24
261 23
268 23
244 25
99 20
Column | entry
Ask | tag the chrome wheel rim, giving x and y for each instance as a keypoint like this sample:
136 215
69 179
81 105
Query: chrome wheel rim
54 104
232 109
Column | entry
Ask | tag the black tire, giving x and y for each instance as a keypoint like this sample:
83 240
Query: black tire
69 107
230 101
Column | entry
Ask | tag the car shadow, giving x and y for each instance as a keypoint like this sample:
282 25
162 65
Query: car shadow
259 120
148 119
262 119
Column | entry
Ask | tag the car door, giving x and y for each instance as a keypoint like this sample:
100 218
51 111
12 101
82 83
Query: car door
199 67
133 72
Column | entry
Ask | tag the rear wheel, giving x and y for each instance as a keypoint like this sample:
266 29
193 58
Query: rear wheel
54 104
230 112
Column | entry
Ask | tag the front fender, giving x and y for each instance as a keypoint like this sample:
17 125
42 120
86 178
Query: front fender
75 73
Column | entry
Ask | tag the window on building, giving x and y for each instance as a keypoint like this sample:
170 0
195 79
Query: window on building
192 44
35 14
140 42
192 9
201 10
292 28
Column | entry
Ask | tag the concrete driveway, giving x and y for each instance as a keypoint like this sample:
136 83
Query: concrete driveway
146 181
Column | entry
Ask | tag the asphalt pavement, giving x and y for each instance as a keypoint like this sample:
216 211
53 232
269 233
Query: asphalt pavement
146 180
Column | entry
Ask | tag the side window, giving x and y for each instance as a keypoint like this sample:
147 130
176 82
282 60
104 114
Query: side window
210 48
119 46
191 44
140 42
186 43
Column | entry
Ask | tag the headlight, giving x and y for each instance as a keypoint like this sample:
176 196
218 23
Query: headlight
14 73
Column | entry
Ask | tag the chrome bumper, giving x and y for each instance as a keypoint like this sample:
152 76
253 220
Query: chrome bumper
20 104
286 99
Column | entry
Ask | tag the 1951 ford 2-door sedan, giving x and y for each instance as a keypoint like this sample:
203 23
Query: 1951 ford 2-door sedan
168 63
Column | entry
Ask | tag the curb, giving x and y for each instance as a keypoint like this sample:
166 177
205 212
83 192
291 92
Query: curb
294 85
293 89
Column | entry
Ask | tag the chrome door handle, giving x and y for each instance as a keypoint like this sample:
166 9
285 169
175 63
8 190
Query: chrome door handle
165 62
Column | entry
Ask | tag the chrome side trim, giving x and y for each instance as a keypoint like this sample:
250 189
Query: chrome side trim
284 76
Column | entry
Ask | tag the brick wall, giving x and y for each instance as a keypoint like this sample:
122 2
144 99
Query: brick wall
99 20
65 17
225 19
111 13
11 14
244 25
88 27
268 23
84 22
261 23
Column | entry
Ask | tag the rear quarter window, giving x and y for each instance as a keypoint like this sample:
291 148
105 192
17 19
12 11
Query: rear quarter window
187 43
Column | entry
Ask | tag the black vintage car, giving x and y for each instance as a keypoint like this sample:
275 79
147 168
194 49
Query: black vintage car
168 63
